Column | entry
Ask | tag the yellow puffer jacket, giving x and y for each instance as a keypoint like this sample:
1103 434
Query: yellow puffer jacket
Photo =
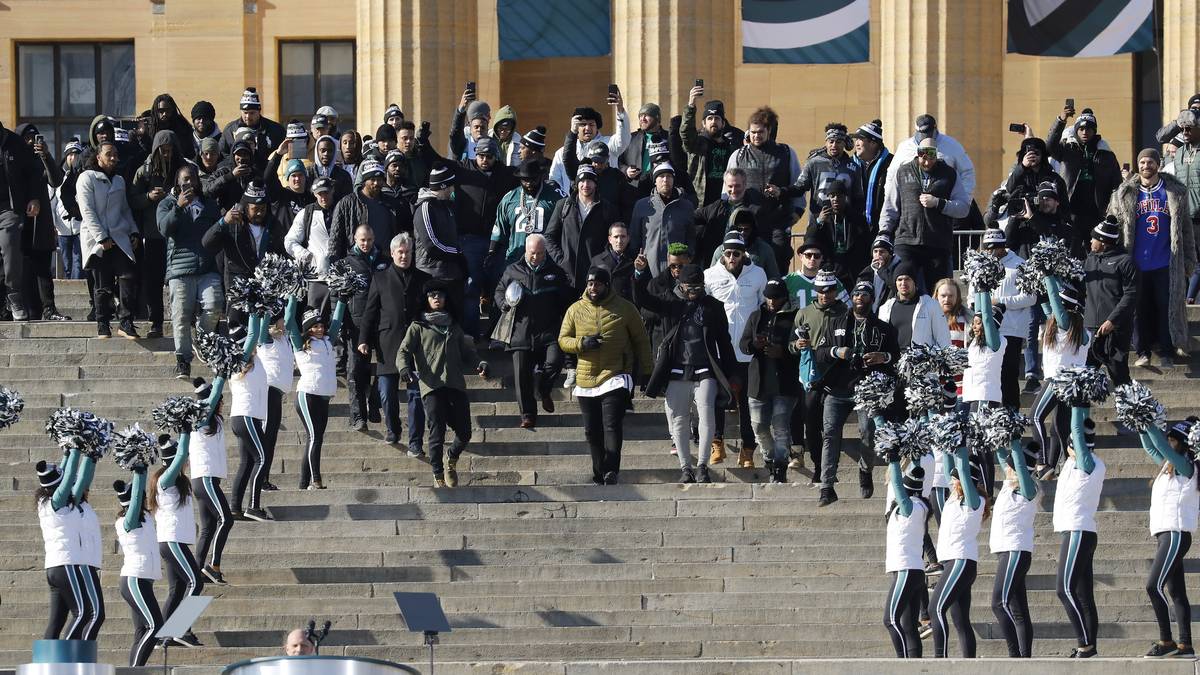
624 347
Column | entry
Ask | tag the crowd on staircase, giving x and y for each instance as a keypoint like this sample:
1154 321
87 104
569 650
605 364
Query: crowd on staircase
662 259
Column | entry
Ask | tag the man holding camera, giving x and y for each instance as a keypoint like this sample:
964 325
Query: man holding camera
709 147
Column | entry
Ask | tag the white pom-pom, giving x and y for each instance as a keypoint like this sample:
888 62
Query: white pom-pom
81 430
134 449
983 271
1081 385
874 393
344 283
1137 408
923 394
221 354
11 406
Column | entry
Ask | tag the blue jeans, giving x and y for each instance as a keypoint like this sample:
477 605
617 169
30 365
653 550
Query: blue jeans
772 422
195 298
72 257
1193 285
479 280
837 411
389 401
1033 360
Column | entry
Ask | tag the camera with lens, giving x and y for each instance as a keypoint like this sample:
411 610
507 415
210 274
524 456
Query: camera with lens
1018 201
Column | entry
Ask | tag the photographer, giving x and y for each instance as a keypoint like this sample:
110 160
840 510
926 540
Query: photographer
843 232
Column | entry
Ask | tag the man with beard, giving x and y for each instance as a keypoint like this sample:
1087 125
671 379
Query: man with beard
268 133
244 236
575 234
708 148
364 206
525 210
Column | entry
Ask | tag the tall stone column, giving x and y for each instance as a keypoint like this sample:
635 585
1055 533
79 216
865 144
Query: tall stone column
661 47
417 53
1180 55
946 58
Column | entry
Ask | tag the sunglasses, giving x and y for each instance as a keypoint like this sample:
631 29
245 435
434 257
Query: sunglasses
435 294
813 254
927 152
688 288
733 253
826 289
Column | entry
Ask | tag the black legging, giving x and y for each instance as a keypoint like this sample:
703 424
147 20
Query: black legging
183 574
39 283
249 433
1044 405
271 428
953 594
1010 603
147 619
446 407
1074 584
216 519
74 590
314 414
602 426
900 613
745 427
1167 571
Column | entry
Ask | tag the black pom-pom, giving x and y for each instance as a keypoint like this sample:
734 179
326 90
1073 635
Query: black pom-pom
221 354
179 414
949 361
874 393
947 431
81 430
923 394
1137 408
983 271
251 296
916 360
344 283
134 449
1081 385
283 277
1048 257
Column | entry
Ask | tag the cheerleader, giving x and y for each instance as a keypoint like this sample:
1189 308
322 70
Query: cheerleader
209 466
907 509
981 381
1012 540
275 356
72 589
1063 346
958 548
317 363
1174 503
247 411
93 548
142 566
1075 501
171 504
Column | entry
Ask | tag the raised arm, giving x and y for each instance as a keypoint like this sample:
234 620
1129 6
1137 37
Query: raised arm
1025 480
133 514
335 324
83 481
290 325
167 479
1182 465
62 495
970 494
903 501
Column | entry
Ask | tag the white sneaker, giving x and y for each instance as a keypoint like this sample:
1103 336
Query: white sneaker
1142 362
570 381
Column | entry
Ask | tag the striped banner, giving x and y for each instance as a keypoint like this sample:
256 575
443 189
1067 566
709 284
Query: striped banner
542 29
1080 27
806 31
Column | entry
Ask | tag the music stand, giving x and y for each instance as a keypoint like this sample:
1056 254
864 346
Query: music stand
422 613
181 620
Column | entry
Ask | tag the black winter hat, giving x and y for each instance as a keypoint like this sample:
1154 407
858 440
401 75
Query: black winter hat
775 290
124 492
535 138
385 132
167 448
914 479
441 176
691 274
250 100
1032 144
1107 230
204 109
202 389
49 475
596 273
715 107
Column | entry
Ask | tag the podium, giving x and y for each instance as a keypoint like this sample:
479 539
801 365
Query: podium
316 665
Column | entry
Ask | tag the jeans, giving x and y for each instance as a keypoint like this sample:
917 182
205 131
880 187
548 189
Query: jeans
681 394
1153 322
390 396
602 419
112 268
1193 285
837 411
772 422
195 298
72 256
1033 360
475 249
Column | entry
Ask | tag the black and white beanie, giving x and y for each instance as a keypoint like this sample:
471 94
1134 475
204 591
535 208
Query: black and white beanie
250 100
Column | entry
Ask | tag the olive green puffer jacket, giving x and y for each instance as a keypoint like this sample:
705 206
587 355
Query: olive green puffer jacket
624 347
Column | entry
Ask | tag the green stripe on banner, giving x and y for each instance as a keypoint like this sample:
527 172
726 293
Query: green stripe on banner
788 11
1088 28
853 47
1143 39
541 29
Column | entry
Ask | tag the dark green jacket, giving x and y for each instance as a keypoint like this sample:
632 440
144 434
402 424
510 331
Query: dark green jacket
441 357
185 254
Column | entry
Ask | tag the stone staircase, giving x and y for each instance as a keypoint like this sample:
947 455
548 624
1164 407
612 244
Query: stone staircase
536 568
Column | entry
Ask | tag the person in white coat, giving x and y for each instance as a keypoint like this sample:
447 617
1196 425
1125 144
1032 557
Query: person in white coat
739 284
917 318
949 150
1017 315
108 238
587 123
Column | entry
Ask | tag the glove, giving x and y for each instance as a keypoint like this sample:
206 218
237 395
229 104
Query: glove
999 198
590 342
424 134
408 376
482 369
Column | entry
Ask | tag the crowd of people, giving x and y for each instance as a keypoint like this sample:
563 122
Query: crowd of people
663 259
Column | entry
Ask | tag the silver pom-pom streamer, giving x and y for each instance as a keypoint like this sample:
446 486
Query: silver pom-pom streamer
923 394
995 428
1137 408
949 361
344 283
916 440
947 431
81 430
1193 437
916 360
179 414
874 393
11 405
983 271
222 354
283 277
134 449
252 296
887 439
1080 386
1048 257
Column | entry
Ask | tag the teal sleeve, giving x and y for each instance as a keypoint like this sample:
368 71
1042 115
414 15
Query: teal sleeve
1083 456
214 399
991 331
290 325
167 479
62 495
903 501
1024 479
335 324
964 470
1182 466
1151 448
252 329
87 470
133 515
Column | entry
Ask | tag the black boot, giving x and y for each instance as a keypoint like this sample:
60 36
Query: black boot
828 496
687 476
781 473
866 486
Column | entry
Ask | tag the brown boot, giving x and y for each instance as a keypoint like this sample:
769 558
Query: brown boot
746 458
718 452
451 473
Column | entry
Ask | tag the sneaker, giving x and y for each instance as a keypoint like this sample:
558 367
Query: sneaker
214 575
270 487
796 463
925 631
189 640
239 516
718 451
547 403
815 481
610 478
451 474
128 330
674 450
260 515
439 483
866 485
1185 652
933 569
1048 473
156 331
358 425
1032 384
1166 361
1080 653
418 453
570 381
183 370
1181 353
390 438
1143 361
53 315
687 476
1159 650
103 330
702 474
315 485
828 496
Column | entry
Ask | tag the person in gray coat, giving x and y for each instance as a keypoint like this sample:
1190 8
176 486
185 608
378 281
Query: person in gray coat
109 238
663 218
